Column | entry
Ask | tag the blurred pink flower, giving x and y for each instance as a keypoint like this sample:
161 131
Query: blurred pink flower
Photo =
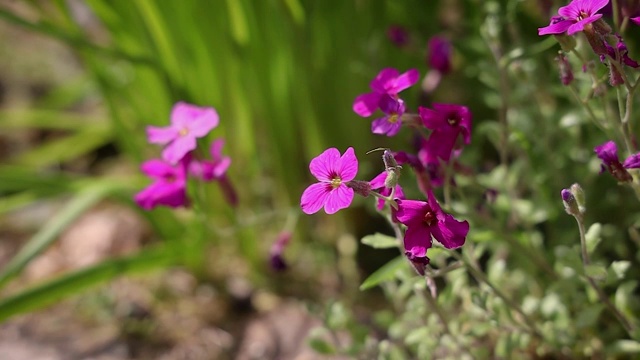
333 172
388 82
169 187
188 122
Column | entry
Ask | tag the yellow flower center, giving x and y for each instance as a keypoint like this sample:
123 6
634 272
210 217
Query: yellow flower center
336 182
183 132
394 118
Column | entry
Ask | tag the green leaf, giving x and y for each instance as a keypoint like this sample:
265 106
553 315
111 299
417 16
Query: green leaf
67 285
54 227
318 343
380 241
385 273
619 268
593 237
597 272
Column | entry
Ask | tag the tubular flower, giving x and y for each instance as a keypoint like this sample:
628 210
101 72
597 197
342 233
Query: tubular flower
388 82
574 17
188 122
333 173
169 188
425 220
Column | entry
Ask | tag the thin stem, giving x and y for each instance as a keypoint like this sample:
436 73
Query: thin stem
482 278
603 297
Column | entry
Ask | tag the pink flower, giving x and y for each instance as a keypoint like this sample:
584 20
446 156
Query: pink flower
439 57
333 172
608 153
211 169
574 17
378 183
169 187
425 220
391 123
388 82
449 119
216 170
188 122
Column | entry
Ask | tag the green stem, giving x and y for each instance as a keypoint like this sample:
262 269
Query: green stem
603 297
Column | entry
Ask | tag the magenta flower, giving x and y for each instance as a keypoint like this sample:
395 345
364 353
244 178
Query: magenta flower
188 122
620 53
449 119
216 170
424 220
213 169
388 82
378 183
439 57
608 153
333 173
391 123
635 20
574 17
169 187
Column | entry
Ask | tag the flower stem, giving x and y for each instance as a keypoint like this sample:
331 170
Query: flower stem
603 297
482 278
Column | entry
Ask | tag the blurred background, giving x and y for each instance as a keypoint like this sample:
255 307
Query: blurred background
80 81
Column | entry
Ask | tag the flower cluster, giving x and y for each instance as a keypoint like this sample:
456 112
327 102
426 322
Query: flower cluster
178 163
443 130
585 16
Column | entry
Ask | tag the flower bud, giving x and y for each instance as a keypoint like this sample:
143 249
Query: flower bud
392 168
566 74
362 188
578 194
277 249
570 203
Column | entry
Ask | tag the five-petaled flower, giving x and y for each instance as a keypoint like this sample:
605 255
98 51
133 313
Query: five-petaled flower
424 220
333 173
169 187
188 122
388 82
608 153
574 17
391 123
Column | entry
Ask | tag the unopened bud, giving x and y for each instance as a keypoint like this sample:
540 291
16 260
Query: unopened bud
578 194
362 188
566 74
392 168
570 203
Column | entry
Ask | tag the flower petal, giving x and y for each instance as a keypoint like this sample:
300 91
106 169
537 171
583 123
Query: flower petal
405 80
632 162
596 5
385 79
180 147
411 211
579 26
383 126
158 169
314 197
366 104
378 181
215 150
161 135
417 239
339 198
432 119
451 233
557 28
206 121
347 166
323 166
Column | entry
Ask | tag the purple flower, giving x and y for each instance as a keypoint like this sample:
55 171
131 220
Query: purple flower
213 169
574 17
635 20
333 171
449 119
620 53
378 183
439 57
188 122
277 250
398 35
391 123
424 220
388 82
169 187
608 153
